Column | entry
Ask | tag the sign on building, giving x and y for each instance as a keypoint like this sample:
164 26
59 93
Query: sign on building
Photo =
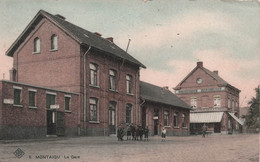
9 101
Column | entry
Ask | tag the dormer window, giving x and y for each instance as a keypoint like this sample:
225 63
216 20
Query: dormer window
37 45
54 42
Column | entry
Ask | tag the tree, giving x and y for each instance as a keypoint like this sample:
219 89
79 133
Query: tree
252 117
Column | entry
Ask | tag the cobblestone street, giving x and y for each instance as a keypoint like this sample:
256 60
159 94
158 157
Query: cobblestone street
243 147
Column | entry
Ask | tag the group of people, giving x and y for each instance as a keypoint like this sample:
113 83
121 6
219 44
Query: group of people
133 132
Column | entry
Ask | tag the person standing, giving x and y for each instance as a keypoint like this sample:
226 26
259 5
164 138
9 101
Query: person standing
204 130
163 134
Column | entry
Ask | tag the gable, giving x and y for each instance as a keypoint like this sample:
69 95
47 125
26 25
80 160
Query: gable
199 78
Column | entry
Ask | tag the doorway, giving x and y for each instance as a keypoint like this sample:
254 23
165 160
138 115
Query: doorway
112 118
51 122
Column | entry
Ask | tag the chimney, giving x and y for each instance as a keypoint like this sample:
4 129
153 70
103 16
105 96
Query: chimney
98 34
166 87
60 16
111 39
200 64
215 71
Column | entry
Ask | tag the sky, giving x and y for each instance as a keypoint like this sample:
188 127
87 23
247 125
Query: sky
167 36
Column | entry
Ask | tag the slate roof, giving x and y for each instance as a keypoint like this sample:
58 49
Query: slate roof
154 93
83 36
220 80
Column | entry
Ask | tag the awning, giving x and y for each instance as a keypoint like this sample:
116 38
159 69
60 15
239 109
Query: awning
212 117
234 117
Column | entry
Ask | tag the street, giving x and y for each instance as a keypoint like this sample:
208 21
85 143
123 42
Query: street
241 147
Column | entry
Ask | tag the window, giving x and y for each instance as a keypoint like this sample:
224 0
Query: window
128 113
217 101
184 120
17 96
54 42
112 79
193 102
236 104
176 119
67 103
93 109
166 118
129 84
112 113
50 100
233 104
229 103
93 74
37 45
32 102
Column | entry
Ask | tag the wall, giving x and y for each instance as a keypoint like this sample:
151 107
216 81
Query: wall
104 95
45 68
171 130
26 122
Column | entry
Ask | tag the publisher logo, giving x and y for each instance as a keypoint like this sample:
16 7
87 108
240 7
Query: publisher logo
19 153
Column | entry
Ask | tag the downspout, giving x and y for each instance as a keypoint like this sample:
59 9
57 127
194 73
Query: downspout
85 94
136 97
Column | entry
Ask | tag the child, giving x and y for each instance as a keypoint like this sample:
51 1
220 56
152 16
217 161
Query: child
163 134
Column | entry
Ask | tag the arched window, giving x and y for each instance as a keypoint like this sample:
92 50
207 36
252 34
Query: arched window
112 79
166 118
176 119
37 45
93 74
184 120
93 103
129 84
54 42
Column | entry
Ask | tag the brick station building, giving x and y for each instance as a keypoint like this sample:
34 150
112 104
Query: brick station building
68 81
161 108
213 101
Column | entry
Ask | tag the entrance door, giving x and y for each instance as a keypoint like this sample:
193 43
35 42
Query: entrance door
217 128
112 118
51 122
156 127
60 125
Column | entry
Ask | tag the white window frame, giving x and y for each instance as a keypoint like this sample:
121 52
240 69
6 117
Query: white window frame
129 84
54 42
20 102
217 101
35 98
93 69
112 80
96 106
193 102
36 45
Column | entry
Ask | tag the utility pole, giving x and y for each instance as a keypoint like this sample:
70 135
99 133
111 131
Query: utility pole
129 40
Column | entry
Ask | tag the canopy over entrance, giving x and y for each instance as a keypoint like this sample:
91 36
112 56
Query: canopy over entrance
212 117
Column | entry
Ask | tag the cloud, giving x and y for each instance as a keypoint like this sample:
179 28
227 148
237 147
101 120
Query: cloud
171 30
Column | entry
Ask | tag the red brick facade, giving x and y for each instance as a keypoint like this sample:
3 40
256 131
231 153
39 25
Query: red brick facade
156 123
210 93
24 121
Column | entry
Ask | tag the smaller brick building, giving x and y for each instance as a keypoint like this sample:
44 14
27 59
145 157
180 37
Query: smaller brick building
161 108
213 101
28 111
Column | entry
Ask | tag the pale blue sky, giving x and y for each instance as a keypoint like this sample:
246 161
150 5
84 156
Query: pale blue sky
168 36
